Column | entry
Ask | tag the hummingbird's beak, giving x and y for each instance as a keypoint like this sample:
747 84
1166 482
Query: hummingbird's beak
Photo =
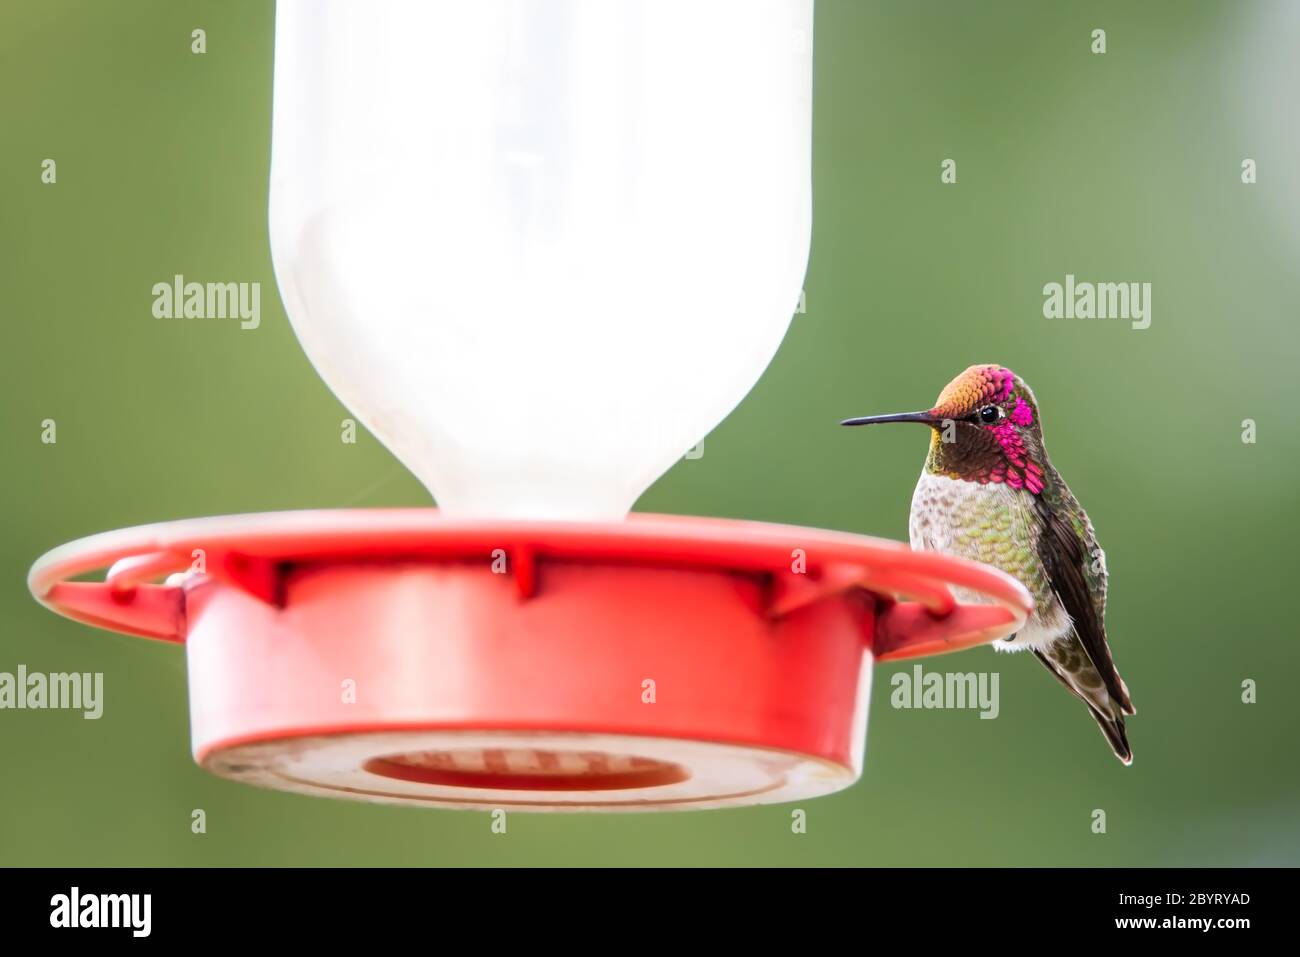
924 417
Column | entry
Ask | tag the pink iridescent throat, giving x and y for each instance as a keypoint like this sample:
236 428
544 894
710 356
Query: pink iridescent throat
1017 471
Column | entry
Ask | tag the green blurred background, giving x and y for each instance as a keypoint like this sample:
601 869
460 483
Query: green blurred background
1124 166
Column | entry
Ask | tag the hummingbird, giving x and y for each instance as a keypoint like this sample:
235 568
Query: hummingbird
988 492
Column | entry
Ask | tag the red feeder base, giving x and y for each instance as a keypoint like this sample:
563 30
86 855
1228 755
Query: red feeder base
403 656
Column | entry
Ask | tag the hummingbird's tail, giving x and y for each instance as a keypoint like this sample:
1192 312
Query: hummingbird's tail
1069 664
1113 729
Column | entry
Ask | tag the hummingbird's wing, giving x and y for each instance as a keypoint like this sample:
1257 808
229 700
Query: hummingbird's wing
1066 546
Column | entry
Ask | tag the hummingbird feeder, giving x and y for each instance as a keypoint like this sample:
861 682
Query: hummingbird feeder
539 250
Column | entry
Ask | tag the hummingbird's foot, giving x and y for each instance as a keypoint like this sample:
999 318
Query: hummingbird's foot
1009 638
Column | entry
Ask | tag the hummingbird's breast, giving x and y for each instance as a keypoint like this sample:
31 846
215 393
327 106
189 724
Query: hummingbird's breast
994 524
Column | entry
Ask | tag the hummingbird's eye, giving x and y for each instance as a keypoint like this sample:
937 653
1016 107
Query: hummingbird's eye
989 414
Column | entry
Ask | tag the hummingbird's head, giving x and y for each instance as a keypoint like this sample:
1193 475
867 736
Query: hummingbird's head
984 428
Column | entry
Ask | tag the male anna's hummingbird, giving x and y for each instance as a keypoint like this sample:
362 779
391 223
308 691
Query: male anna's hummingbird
988 493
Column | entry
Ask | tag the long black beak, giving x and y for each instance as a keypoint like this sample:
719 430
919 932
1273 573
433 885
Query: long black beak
923 417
